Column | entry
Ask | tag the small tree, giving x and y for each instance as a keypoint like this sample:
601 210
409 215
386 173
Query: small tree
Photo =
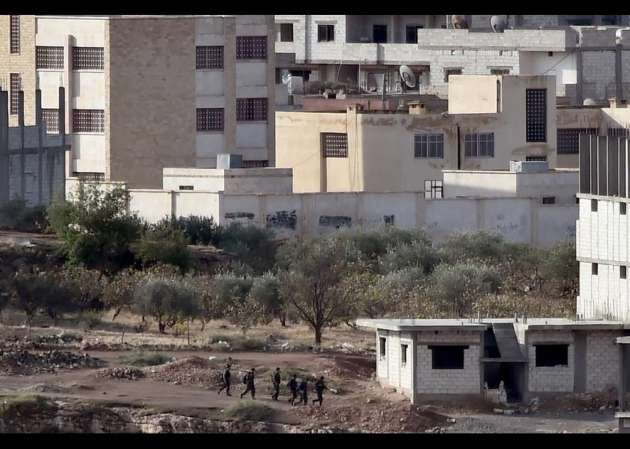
481 245
118 293
87 286
168 247
265 291
251 245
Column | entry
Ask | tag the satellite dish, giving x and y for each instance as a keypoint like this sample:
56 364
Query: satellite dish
589 102
459 22
498 24
407 76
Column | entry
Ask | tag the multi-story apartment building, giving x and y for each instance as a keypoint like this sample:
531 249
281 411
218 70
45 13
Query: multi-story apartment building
364 51
146 92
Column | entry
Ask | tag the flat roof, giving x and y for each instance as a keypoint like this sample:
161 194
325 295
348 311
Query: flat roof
421 324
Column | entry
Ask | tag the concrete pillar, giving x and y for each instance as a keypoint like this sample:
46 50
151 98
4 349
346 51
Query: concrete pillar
229 71
618 74
40 147
621 390
22 145
414 366
62 135
4 146
578 86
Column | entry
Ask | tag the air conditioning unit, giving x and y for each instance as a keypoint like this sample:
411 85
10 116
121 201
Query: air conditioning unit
529 166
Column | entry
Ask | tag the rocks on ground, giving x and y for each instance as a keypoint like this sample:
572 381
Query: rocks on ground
27 363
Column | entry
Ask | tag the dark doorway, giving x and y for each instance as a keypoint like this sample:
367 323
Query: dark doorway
512 375
379 34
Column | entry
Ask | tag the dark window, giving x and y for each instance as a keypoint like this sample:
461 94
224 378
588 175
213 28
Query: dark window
210 57
550 54
594 269
552 355
186 188
433 189
449 72
379 34
618 132
286 32
593 205
622 272
209 119
278 76
89 176
447 357
549 200
536 114
49 57
577 200
428 146
535 158
580 21
88 121
14 34
610 20
87 58
251 47
50 117
334 144
569 139
325 33
412 33
499 71
254 164
479 145
622 208
251 109
382 343
15 88
403 354
389 220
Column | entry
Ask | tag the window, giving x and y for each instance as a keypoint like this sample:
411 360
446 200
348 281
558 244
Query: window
49 57
88 121
286 32
428 146
334 144
382 342
552 355
618 132
379 34
209 119
449 72
89 176
499 71
569 139
593 205
580 21
254 164
549 200
536 114
622 208
412 33
15 88
87 58
479 145
14 34
325 33
389 220
50 117
594 269
209 57
251 109
403 354
251 47
447 357
186 187
610 20
433 189
535 158
622 272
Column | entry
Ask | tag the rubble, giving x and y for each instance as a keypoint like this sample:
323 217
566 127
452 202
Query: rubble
28 363
128 373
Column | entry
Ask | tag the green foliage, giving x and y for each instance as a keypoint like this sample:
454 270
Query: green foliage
265 290
168 246
251 245
87 287
249 411
97 229
417 254
198 230
480 245
24 406
119 292
561 270
17 216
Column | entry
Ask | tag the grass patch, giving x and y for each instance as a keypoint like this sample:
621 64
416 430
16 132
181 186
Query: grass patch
23 406
146 359
249 411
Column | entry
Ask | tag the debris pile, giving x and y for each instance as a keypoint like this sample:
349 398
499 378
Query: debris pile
190 370
128 373
28 363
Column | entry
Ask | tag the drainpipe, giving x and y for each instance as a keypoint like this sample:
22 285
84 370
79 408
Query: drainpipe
459 152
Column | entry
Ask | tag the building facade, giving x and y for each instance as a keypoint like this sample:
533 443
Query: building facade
147 92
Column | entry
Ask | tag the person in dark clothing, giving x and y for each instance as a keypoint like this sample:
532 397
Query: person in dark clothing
275 380
293 388
226 381
304 391
249 382
320 386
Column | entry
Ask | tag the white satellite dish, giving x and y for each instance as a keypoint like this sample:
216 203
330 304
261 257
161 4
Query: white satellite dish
407 76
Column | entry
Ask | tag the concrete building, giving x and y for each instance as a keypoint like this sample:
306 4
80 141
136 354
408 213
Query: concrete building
32 160
147 92
491 120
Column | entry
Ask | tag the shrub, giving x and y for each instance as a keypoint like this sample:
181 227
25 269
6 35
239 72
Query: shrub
146 359
17 216
417 254
480 245
265 291
249 411
24 406
198 230
251 245
168 247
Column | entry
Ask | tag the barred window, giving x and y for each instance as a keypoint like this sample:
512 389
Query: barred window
88 121
429 146
499 71
536 114
251 47
209 119
210 57
334 144
479 145
325 33
255 164
251 109
16 87
618 132
87 58
50 117
286 32
49 57
535 158
569 139
14 34
89 176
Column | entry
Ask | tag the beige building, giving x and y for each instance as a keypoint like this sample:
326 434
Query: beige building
147 92
491 120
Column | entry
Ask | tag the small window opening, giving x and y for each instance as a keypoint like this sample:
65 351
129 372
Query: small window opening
382 341
447 357
593 205
186 188
549 200
622 208
622 272
552 355
595 269
403 354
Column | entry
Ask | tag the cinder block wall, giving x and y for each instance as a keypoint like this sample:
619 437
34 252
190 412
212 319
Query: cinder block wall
602 360
550 379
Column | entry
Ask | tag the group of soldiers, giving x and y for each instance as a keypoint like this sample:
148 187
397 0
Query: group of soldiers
299 390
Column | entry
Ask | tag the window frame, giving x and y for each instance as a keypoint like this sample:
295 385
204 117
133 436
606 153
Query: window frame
408 29
448 71
100 121
536 115
549 200
593 205
203 54
89 67
282 35
247 106
568 139
328 35
623 208
380 27
428 146
50 114
48 54
14 93
337 141
594 269
477 143
623 272
208 119
14 35
246 47
540 358
458 364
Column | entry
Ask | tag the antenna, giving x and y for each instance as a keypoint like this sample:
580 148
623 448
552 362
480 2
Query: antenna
407 76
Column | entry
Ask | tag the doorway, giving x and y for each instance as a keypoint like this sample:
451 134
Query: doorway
379 34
